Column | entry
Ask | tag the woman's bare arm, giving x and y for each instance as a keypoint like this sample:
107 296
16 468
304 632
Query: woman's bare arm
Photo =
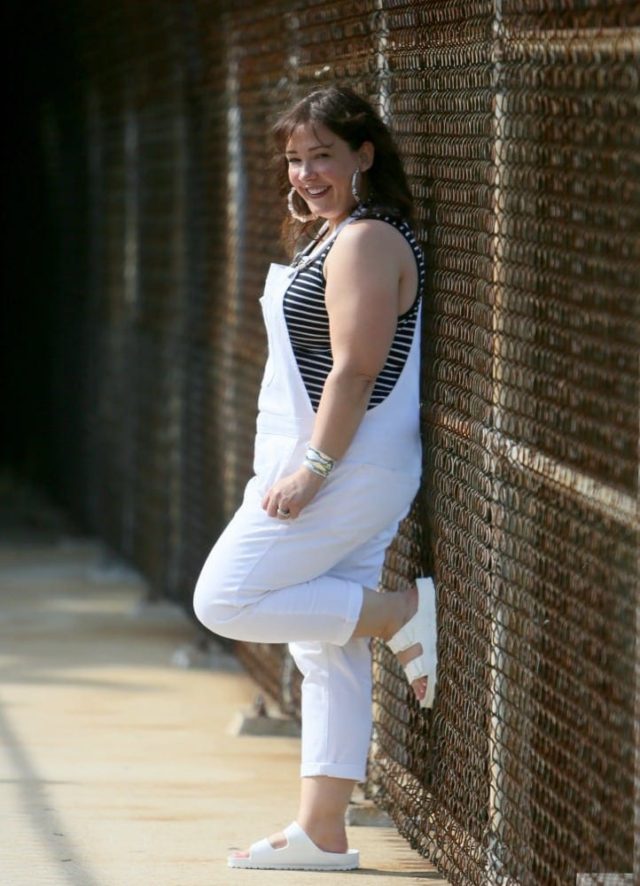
362 295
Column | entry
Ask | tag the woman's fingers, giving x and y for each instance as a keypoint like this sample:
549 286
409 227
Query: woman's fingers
284 511
288 496
279 508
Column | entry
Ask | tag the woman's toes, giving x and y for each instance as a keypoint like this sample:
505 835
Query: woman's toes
420 687
278 841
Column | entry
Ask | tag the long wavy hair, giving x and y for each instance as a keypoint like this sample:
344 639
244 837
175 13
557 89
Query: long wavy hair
351 118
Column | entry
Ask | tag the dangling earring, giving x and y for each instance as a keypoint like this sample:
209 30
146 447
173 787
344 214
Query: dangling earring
355 181
297 215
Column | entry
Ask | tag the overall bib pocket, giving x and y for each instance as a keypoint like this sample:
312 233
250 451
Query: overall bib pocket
274 458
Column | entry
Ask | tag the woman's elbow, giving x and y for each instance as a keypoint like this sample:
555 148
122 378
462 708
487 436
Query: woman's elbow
356 380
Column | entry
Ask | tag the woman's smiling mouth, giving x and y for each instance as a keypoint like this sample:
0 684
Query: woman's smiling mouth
314 193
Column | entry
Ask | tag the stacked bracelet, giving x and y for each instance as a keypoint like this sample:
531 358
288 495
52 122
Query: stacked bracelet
318 462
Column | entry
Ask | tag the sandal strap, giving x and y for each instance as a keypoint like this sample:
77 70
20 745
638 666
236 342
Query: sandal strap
409 634
402 639
260 850
416 668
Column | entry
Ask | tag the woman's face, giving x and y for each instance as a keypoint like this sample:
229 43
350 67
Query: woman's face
321 166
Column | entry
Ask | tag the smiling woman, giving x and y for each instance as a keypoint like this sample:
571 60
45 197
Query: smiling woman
337 461
324 171
343 113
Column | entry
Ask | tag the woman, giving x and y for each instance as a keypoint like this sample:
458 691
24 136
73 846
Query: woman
337 461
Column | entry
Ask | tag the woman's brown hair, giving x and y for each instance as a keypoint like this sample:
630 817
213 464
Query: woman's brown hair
351 118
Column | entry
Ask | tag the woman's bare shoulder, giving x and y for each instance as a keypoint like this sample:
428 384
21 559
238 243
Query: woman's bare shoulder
371 238
370 230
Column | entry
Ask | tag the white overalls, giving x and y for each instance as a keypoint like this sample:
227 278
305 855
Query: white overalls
301 581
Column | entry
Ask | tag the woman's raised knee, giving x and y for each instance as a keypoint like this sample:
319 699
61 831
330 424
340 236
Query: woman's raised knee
214 610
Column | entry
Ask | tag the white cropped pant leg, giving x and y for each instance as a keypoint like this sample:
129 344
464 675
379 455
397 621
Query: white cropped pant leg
301 582
337 684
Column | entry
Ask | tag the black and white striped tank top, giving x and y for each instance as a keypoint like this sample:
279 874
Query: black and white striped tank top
307 322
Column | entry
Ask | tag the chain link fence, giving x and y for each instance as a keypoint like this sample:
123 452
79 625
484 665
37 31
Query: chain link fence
519 124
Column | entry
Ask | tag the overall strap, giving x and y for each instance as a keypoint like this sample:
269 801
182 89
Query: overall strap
309 253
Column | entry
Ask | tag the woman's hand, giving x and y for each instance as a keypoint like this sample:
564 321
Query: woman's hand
291 494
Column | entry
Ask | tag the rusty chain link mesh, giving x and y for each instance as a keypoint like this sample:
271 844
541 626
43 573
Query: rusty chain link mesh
519 126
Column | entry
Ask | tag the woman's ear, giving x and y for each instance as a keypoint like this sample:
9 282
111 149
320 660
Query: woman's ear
366 153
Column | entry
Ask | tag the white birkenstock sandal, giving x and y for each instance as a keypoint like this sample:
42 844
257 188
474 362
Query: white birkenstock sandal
420 629
300 854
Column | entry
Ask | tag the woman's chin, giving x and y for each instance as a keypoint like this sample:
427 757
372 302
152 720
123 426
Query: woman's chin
331 213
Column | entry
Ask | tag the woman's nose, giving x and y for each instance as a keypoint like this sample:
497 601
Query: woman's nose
306 170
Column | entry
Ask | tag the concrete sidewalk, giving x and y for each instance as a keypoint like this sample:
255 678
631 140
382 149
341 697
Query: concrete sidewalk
118 766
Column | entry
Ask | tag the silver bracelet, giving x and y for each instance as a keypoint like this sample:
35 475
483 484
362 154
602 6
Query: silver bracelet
318 462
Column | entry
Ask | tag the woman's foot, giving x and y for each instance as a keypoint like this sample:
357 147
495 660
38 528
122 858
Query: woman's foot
329 840
299 853
323 803
404 612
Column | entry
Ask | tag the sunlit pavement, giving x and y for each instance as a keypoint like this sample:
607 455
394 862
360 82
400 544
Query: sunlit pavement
118 766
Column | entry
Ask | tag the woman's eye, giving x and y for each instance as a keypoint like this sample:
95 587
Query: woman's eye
292 160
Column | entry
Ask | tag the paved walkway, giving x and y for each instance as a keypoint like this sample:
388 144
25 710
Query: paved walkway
118 766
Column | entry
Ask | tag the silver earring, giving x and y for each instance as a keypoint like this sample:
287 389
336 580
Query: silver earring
356 179
295 214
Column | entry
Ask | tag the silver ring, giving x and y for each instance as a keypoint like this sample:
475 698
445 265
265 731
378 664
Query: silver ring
284 514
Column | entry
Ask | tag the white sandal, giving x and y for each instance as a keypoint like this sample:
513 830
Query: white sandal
422 629
300 854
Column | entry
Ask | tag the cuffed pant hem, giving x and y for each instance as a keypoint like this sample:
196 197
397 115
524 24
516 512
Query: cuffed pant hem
352 772
356 599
